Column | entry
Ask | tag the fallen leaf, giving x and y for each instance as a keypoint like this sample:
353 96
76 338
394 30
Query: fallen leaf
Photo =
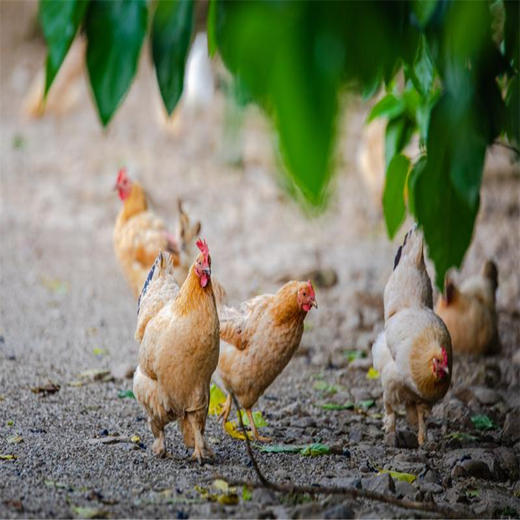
246 494
225 494
2 398
471 493
281 448
258 419
126 394
95 374
372 373
7 457
55 484
99 351
349 405
405 477
325 388
90 512
351 355
15 504
55 285
50 388
10 422
306 449
14 439
461 436
315 449
135 438
217 398
366 404
482 422
233 429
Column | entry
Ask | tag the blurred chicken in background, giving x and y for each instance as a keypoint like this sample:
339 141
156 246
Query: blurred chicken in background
469 312
65 91
140 235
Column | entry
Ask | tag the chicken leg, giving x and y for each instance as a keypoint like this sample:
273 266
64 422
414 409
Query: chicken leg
225 411
158 432
421 434
254 431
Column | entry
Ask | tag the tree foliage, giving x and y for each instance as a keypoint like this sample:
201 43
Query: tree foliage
459 61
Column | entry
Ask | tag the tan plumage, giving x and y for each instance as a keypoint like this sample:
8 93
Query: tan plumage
413 353
469 312
139 236
179 334
258 340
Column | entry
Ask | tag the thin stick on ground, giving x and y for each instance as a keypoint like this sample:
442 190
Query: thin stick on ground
431 507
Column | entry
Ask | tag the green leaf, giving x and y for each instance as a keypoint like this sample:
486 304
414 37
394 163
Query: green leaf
324 387
258 419
410 182
366 404
472 493
405 477
390 106
314 450
482 422
126 394
281 448
462 436
115 32
423 10
211 28
513 110
171 33
351 355
454 169
397 135
423 67
393 196
60 22
349 405
9 456
246 494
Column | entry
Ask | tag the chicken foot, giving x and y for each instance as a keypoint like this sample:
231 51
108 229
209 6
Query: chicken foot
157 428
202 450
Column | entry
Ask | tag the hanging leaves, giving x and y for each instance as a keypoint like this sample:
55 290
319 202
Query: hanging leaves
115 34
171 33
60 22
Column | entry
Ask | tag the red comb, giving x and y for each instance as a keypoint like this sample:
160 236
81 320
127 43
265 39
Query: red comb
121 175
203 246
444 357
311 289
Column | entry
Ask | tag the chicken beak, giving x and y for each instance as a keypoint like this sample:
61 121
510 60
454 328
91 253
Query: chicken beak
314 303
446 370
206 271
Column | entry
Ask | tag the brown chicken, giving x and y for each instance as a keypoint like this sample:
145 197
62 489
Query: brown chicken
179 334
469 312
258 340
139 236
413 353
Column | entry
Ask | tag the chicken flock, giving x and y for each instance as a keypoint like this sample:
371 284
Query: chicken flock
189 335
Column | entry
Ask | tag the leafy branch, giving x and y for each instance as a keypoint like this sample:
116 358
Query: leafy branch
449 71
264 482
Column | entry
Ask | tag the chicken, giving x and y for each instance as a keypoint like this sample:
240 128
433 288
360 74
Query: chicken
65 92
258 340
469 312
178 331
413 353
139 236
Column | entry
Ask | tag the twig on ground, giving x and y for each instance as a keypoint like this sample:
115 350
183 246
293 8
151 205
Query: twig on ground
430 507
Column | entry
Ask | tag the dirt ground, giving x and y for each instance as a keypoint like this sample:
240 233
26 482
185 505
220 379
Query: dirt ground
65 309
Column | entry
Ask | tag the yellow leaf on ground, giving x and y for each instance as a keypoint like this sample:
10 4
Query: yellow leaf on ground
217 398
372 373
234 430
406 477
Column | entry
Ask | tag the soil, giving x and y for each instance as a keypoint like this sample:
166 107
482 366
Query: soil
65 310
